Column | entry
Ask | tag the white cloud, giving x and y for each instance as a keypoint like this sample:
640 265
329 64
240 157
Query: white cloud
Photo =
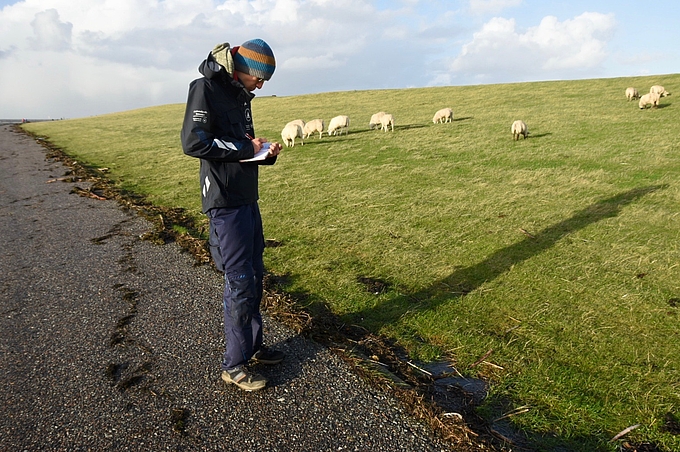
492 6
71 85
305 63
552 47
285 11
49 33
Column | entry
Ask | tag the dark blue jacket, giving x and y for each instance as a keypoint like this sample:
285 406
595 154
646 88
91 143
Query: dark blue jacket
217 123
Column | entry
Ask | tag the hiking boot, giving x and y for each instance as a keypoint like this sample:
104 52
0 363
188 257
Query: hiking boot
244 379
267 356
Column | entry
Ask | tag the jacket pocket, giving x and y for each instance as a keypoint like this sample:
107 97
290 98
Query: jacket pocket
236 123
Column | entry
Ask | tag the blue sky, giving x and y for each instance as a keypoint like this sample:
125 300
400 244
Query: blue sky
66 59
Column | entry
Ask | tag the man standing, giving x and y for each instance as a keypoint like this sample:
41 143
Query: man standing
218 129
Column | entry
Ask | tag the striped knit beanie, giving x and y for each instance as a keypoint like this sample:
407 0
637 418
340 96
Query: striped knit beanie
255 58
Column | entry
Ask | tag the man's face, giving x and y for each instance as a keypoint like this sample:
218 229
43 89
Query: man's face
249 82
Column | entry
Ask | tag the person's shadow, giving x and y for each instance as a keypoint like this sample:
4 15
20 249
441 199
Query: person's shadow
465 280
449 392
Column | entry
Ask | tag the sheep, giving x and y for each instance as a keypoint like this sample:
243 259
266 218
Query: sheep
386 121
290 133
632 93
375 120
658 89
649 99
315 125
338 124
299 122
519 128
443 115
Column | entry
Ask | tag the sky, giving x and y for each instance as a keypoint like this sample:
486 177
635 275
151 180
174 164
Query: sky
71 59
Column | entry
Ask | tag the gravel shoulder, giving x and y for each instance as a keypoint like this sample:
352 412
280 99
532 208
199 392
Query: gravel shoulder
112 342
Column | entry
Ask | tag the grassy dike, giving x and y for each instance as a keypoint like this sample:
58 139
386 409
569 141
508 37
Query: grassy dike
559 253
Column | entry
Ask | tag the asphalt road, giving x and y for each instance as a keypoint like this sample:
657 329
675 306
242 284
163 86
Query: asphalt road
109 342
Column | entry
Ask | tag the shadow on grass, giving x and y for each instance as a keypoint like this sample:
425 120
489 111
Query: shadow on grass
465 280
442 389
396 128
539 135
409 126
660 106
377 130
345 136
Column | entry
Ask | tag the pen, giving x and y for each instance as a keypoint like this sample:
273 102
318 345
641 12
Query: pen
249 137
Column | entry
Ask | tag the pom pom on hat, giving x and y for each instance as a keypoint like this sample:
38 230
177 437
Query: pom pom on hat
255 58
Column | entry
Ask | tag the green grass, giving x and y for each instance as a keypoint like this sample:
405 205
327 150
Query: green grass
559 253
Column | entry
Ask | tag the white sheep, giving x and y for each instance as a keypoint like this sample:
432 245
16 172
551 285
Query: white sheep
315 125
290 133
299 122
649 99
386 121
443 115
519 128
658 89
375 120
338 124
632 93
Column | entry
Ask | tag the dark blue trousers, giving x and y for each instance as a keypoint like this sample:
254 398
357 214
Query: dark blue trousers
237 244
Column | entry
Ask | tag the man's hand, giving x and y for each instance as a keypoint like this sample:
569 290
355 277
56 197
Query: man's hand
257 143
274 149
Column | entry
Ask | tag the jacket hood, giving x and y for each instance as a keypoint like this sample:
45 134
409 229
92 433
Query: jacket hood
213 70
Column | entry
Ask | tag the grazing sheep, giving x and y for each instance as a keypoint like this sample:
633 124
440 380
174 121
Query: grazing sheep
658 89
338 124
649 99
299 122
290 133
632 93
315 125
443 115
519 128
386 121
375 120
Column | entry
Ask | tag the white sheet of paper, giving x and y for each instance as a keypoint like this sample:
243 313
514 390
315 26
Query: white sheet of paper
261 155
